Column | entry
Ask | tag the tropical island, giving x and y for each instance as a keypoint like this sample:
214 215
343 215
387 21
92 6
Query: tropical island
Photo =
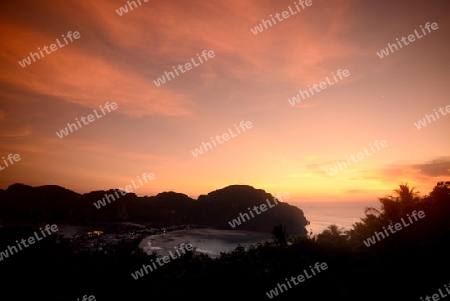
339 265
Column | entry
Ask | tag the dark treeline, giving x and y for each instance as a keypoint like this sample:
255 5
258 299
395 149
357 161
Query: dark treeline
406 265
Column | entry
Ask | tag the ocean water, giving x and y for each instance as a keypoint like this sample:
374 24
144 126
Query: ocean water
207 241
343 214
212 242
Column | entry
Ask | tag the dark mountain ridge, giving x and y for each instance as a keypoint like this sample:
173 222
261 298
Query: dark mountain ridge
24 204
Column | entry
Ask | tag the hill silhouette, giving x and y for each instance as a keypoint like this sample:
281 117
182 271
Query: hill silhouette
406 265
24 204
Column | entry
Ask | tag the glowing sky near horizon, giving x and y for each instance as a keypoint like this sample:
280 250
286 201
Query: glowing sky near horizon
251 78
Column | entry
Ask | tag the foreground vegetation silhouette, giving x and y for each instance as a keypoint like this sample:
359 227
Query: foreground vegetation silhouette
408 264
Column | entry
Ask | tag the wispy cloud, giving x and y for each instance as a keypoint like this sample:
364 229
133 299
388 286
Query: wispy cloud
24 132
436 168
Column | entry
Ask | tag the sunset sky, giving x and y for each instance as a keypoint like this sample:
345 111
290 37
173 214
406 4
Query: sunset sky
250 78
